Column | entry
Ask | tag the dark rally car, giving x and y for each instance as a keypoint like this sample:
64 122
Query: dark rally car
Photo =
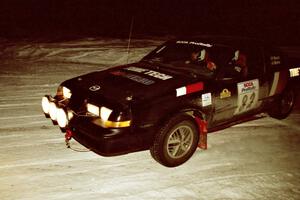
177 93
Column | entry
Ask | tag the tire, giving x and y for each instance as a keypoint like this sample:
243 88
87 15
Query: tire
176 141
283 105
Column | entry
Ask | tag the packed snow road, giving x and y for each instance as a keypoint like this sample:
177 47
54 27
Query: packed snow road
258 159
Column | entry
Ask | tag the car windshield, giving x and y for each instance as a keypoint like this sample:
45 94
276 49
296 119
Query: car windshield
197 57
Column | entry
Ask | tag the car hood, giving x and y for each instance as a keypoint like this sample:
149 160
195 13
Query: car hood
134 82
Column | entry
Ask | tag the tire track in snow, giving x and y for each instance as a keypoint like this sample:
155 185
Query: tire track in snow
23 124
14 105
20 117
19 98
36 143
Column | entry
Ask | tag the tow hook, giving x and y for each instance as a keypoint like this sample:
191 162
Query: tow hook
202 125
68 137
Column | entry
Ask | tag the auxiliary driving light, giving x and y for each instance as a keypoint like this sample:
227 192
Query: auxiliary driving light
53 111
66 92
45 105
61 117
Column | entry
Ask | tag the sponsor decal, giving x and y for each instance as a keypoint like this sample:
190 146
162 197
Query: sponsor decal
139 79
247 96
94 88
193 43
275 60
295 72
189 89
225 93
158 75
248 86
133 77
206 99
148 72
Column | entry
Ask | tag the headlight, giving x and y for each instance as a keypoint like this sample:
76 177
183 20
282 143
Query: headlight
93 109
103 114
66 92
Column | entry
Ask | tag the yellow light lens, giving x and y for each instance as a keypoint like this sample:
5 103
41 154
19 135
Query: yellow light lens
93 109
110 124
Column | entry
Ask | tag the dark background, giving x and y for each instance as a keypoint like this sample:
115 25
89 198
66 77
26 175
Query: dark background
277 21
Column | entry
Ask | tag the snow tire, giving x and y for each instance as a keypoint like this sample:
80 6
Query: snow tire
284 104
176 141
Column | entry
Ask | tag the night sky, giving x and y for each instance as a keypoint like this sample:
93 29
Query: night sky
278 21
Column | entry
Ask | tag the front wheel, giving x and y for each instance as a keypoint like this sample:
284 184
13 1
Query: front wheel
176 141
283 105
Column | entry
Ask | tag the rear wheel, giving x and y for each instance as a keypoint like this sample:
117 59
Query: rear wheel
283 105
176 141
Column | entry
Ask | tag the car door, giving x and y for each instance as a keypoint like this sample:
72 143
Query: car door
240 91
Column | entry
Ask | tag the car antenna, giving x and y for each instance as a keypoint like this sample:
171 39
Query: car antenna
129 38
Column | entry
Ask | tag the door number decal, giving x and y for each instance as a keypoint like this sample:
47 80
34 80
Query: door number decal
247 96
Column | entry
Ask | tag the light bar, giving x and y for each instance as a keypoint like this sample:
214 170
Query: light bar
53 111
45 105
62 119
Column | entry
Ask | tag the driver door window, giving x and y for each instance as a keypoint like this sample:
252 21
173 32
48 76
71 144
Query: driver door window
237 67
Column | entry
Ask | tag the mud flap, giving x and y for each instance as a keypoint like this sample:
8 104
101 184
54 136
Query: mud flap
202 125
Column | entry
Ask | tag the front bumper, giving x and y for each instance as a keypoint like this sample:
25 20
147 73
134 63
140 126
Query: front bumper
103 141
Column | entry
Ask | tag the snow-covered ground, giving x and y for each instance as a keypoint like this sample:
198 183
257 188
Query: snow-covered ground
258 159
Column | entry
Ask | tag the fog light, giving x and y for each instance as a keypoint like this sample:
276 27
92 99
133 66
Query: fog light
66 92
45 105
53 111
61 117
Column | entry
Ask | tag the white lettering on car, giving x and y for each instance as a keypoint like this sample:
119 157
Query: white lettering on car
275 60
148 72
158 75
194 43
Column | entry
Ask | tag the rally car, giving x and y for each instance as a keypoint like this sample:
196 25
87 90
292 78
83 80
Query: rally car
169 100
